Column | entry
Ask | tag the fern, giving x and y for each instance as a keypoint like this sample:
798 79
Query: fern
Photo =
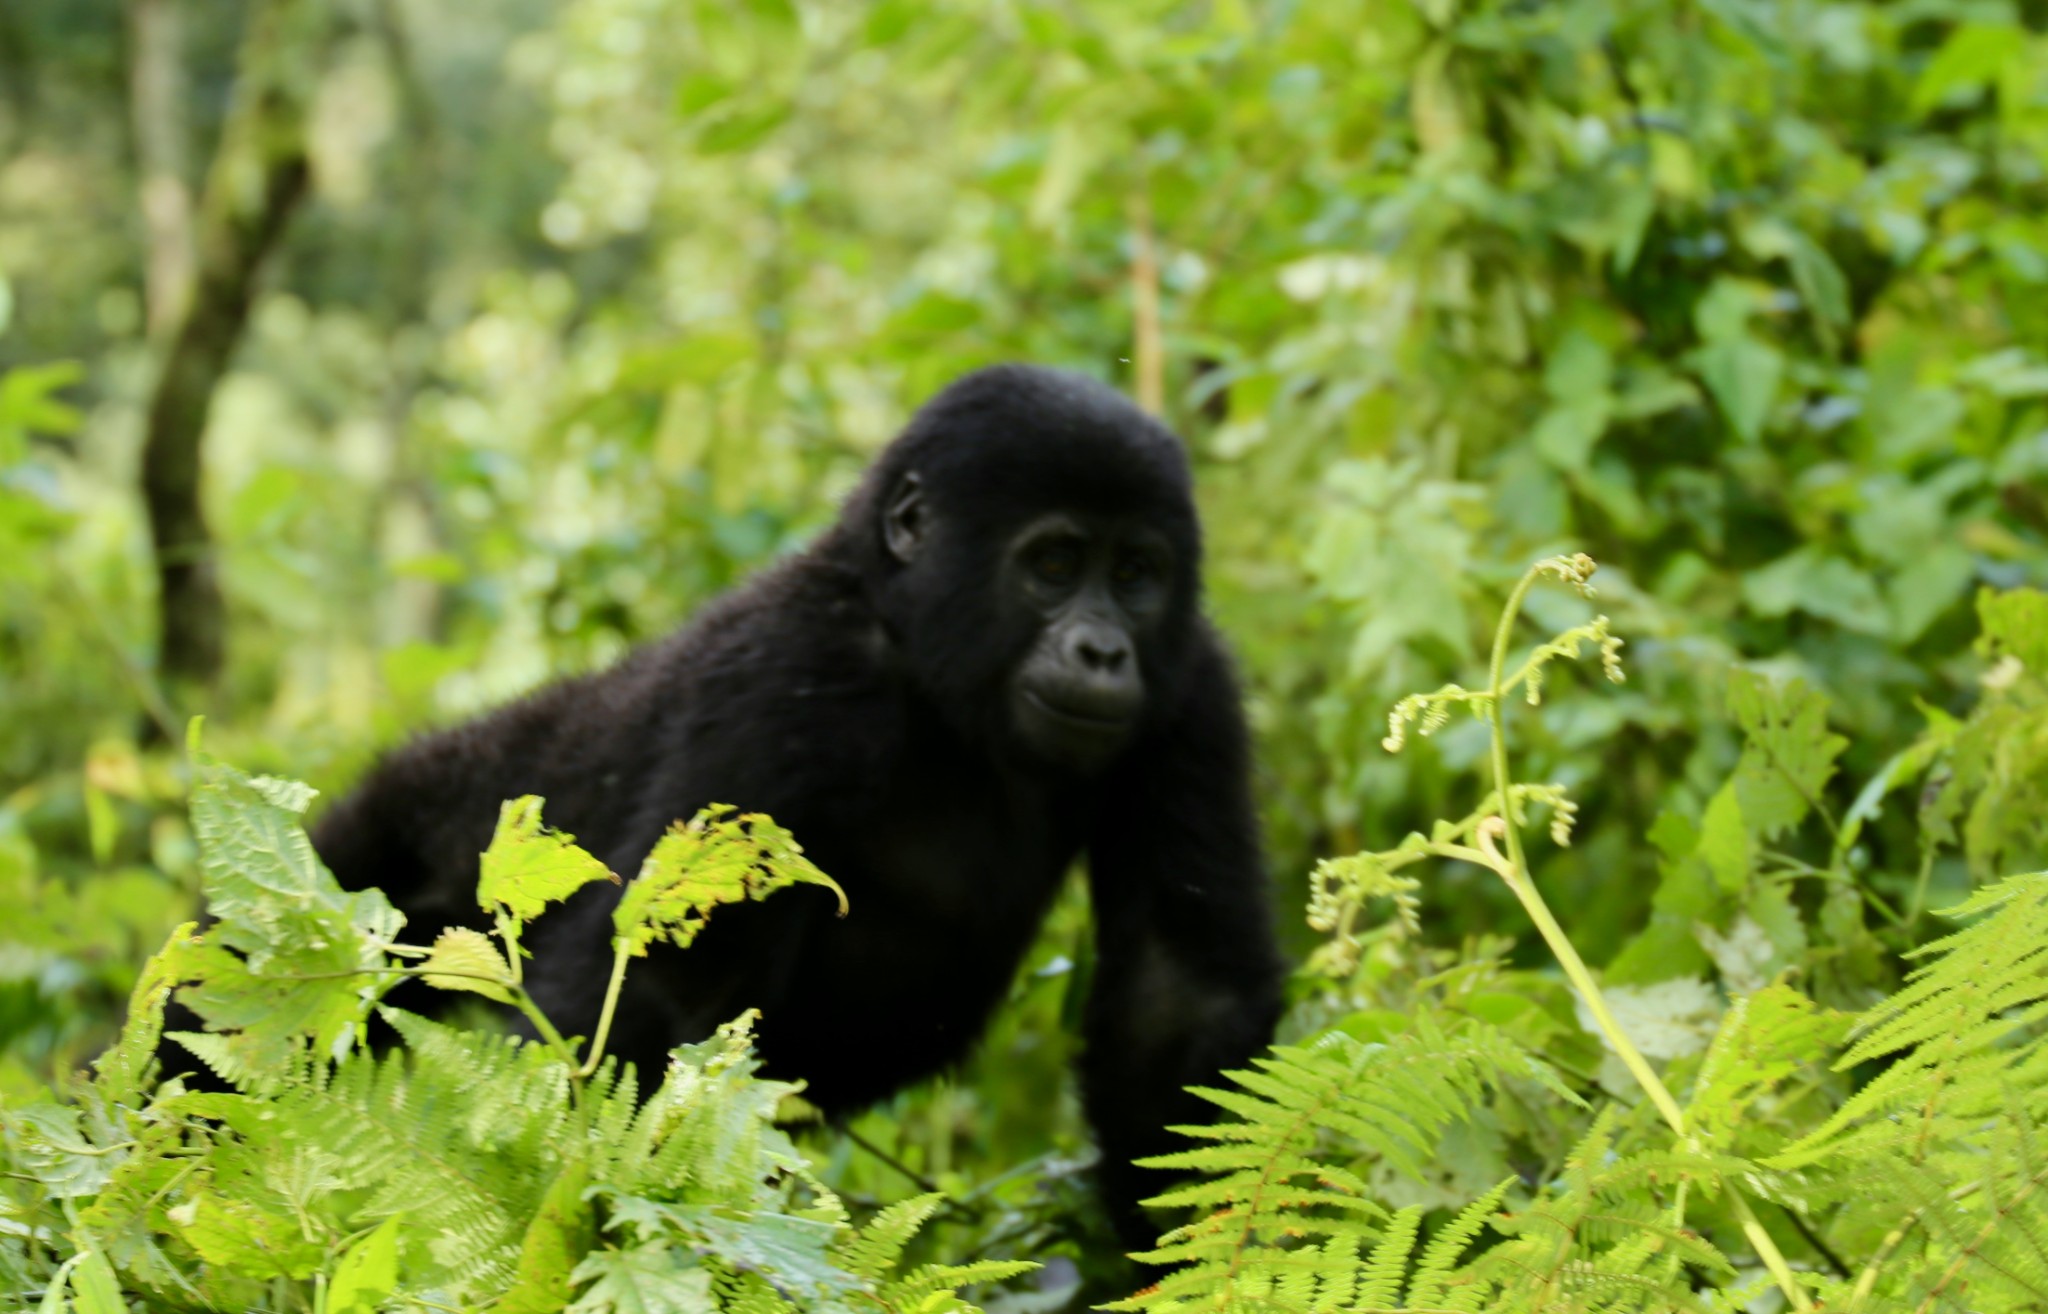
463 1170
1283 1223
1938 1159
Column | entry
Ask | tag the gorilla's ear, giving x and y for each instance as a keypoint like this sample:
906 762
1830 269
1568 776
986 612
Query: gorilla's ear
903 519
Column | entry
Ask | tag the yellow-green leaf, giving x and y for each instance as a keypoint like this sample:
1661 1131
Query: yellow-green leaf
461 957
528 866
721 855
364 1279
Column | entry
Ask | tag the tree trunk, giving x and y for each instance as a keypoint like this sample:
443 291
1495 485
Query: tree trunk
257 178
156 102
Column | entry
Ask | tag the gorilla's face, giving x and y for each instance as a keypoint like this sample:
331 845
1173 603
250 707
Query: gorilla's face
1049 635
1097 588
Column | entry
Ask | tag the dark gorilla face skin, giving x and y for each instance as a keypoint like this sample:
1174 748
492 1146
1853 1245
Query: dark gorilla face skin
1098 587
1093 589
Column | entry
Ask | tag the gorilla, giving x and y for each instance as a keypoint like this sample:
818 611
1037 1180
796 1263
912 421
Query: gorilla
992 664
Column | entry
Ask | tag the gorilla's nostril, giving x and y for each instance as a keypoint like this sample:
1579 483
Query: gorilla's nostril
1103 656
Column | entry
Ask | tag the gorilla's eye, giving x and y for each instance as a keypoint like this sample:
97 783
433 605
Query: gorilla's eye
1057 562
1131 571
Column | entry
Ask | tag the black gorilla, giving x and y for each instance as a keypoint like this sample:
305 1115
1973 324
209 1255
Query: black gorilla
992 663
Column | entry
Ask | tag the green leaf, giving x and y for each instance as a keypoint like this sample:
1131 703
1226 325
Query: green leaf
27 405
561 1234
649 1279
527 866
721 855
1811 580
1742 374
1789 754
1579 370
697 91
122 1068
743 129
278 965
94 1287
2015 625
367 1273
1968 61
1724 840
252 1237
1931 583
468 954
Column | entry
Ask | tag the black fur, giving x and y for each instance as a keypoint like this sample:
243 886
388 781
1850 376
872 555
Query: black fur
859 701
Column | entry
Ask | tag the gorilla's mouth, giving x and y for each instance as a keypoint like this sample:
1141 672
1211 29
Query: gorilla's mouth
1089 720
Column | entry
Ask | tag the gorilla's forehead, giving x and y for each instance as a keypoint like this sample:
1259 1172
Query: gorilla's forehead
1020 437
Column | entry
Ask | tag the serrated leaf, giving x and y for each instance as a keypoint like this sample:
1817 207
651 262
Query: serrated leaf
94 1287
721 855
122 1070
1788 755
279 965
528 866
468 954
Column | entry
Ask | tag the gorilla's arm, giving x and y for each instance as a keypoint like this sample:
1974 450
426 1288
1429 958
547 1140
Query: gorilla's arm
1187 972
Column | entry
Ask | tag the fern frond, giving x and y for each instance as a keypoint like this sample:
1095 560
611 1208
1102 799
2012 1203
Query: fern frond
1437 1282
1282 1226
1387 1265
873 1250
931 1278
1947 1032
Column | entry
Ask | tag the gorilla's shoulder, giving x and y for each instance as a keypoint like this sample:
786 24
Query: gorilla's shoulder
806 613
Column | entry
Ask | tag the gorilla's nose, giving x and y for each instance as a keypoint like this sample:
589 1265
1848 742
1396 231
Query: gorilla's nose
1099 649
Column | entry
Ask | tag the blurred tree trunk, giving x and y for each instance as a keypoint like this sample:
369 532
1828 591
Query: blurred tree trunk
257 178
156 102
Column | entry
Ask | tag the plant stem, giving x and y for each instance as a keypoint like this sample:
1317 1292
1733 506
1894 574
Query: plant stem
1516 873
620 953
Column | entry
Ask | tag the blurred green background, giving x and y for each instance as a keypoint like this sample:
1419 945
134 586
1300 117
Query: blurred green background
508 334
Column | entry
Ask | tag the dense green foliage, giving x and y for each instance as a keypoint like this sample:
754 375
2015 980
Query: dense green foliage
591 308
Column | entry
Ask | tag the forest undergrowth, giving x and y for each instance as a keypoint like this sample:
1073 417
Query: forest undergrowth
1839 1111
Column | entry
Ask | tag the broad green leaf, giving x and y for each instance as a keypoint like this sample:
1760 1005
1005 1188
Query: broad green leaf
1566 434
649 1279
460 956
28 405
367 1273
1742 374
528 866
721 855
55 1149
1789 754
1813 581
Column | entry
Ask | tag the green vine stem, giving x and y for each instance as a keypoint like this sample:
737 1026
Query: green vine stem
1513 869
621 951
